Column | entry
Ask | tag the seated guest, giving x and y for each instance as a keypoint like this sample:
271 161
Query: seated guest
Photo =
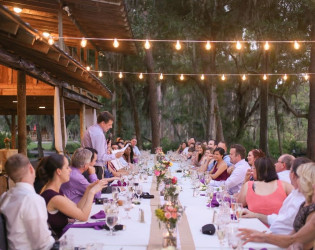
114 146
283 167
253 155
234 183
208 157
23 209
80 162
190 153
128 154
181 148
282 223
266 194
304 222
226 158
135 149
212 144
189 143
219 172
199 157
55 171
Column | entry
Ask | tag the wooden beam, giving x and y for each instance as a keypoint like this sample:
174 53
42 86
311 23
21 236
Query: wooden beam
82 120
64 61
96 60
21 111
72 67
54 55
80 98
8 26
25 36
41 46
63 121
29 92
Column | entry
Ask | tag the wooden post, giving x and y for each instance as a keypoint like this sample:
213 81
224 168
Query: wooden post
62 121
13 132
60 30
96 60
82 120
21 111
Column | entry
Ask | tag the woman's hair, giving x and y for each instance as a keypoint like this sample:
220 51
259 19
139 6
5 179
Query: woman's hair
203 152
220 150
265 170
257 153
306 173
131 154
48 166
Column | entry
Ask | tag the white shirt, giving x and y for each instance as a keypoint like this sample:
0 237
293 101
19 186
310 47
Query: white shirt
26 218
284 176
185 151
282 223
234 183
136 151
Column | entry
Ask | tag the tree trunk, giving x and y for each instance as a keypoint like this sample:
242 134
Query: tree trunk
119 111
263 143
311 113
153 106
21 111
277 118
39 139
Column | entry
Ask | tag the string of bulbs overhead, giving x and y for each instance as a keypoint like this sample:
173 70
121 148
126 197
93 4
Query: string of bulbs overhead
178 44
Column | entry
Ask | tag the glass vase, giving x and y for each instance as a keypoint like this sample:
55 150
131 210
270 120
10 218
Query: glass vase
170 236
7 145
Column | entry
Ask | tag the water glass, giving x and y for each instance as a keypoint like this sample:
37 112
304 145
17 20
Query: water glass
239 211
111 221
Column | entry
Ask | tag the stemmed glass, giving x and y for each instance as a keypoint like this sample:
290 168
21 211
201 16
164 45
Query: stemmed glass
209 193
127 204
219 197
239 211
111 221
233 240
115 193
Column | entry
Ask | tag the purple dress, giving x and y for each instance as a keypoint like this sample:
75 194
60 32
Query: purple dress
223 176
58 220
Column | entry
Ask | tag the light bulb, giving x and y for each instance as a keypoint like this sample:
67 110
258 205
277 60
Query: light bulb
285 77
238 45
141 76
46 34
265 77
202 77
17 10
244 77
223 77
161 76
208 45
116 43
306 77
147 44
276 87
266 46
296 45
181 77
120 75
83 42
51 41
100 74
88 68
178 46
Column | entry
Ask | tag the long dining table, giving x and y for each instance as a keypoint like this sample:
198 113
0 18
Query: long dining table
149 234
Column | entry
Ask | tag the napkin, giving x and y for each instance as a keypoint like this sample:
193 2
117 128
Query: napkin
119 184
99 215
255 249
214 202
96 225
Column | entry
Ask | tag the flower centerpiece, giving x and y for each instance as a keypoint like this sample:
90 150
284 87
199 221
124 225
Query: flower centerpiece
7 141
160 169
169 215
160 156
171 190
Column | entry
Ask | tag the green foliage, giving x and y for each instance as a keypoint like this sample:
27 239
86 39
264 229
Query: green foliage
72 146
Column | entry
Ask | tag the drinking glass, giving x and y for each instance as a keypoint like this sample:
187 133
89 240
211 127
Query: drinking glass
127 204
138 191
145 177
219 197
234 241
115 193
209 193
111 221
221 229
239 211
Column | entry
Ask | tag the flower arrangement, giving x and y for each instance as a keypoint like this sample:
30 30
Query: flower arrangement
171 190
160 169
7 140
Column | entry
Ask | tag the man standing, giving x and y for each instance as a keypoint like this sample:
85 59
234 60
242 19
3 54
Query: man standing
24 211
94 137
234 183
136 151
283 167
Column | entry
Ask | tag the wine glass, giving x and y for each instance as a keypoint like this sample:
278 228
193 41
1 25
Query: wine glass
111 221
219 197
139 190
115 193
239 211
233 240
127 204
221 229
210 194
145 176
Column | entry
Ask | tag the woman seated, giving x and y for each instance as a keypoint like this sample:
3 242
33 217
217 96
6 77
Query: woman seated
266 193
181 148
304 223
198 157
55 171
253 155
206 160
219 171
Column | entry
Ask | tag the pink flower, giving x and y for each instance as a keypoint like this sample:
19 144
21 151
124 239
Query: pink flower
174 215
167 186
168 215
174 180
157 173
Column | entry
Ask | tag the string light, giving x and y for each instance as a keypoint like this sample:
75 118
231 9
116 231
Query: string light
285 77
141 76
296 45
51 41
265 77
244 77
238 45
100 74
17 10
46 34
120 75
202 77
116 43
208 45
83 42
178 46
306 77
147 44
181 77
88 68
161 76
223 77
266 46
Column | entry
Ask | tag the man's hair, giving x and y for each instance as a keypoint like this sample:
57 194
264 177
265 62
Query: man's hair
214 141
239 150
105 116
287 160
298 162
94 151
81 157
16 166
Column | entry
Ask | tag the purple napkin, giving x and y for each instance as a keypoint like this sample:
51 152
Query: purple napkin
202 180
233 217
214 202
202 194
255 249
99 215
96 225
121 184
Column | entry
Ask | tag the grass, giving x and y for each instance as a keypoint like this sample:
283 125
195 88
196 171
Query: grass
45 145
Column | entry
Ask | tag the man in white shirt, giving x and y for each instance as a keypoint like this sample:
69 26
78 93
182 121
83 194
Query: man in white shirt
136 151
24 211
282 223
190 141
283 167
234 183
